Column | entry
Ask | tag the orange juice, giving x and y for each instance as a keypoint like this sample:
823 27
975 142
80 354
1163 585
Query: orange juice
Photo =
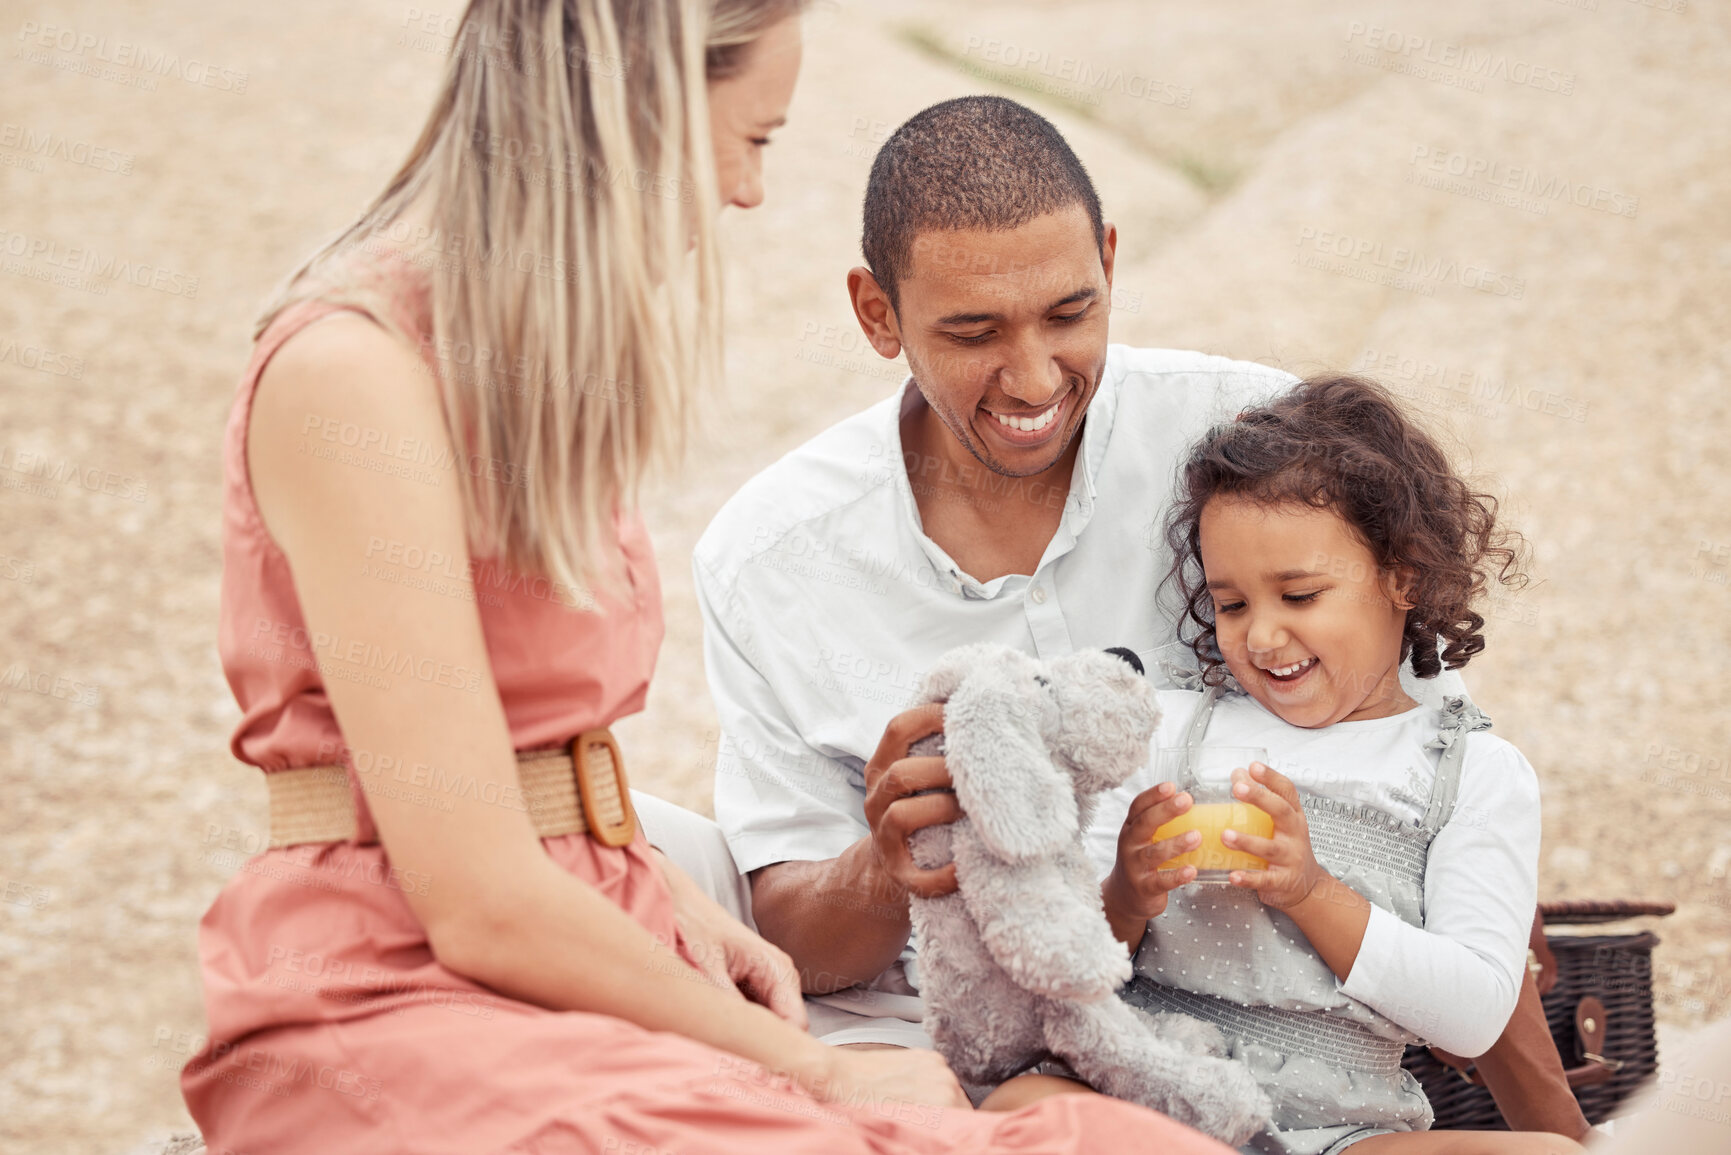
1213 859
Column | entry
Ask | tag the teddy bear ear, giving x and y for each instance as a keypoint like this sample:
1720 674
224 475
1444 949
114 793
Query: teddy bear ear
1021 804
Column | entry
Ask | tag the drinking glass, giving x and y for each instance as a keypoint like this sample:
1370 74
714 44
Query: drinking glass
1214 809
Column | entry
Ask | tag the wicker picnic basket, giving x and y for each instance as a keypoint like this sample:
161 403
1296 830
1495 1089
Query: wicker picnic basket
1600 1014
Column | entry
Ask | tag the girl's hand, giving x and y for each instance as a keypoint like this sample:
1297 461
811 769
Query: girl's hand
1292 872
1137 888
730 953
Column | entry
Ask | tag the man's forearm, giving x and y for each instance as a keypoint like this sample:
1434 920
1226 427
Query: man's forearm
842 920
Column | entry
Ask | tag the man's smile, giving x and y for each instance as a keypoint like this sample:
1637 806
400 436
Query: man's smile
1029 427
1028 424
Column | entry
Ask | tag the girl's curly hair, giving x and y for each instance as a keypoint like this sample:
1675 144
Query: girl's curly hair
1342 443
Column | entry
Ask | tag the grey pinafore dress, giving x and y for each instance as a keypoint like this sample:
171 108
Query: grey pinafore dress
1330 1064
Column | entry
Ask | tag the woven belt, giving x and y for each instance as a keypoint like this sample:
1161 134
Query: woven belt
577 790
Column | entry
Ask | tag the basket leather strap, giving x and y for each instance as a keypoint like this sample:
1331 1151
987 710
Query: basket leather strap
1591 1026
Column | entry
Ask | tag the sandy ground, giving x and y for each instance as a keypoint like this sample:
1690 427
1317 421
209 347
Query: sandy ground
1562 170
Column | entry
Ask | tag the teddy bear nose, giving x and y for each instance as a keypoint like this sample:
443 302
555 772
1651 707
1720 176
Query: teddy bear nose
1128 655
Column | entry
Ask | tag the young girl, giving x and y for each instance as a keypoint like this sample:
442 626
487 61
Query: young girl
1321 544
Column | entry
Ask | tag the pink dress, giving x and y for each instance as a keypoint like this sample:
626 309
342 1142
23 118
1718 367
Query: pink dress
334 1030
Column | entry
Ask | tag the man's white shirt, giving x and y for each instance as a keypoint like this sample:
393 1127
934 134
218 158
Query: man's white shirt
824 601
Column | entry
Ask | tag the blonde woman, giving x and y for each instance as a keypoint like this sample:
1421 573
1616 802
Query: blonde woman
437 594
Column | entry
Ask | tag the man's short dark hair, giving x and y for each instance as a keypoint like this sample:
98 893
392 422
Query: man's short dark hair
976 162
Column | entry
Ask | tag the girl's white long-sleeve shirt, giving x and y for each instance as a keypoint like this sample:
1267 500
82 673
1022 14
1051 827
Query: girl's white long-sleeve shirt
1454 981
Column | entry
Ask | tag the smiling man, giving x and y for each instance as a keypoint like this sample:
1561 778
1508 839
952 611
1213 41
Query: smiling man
1011 491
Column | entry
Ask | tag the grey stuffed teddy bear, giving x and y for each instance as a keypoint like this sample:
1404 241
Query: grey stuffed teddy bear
1020 962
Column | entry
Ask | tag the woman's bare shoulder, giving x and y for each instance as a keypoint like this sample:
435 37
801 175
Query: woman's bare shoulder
345 411
347 361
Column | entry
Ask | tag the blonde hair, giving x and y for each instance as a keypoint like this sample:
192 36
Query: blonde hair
567 183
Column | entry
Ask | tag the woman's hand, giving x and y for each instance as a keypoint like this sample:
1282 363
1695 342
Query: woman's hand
1292 873
888 1077
730 953
1137 888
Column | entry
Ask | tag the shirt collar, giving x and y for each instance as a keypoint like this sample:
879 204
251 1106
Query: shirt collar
1078 506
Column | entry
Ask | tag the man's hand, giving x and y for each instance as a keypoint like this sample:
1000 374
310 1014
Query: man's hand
843 920
1137 888
895 808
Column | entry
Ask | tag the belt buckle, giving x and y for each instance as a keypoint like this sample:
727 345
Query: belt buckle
601 801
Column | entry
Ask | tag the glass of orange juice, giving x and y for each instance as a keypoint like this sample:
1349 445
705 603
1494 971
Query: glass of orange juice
1214 809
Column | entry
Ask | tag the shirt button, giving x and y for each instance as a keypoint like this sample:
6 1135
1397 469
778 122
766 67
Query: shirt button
1039 595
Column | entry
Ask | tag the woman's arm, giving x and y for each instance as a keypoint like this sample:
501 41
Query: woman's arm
496 907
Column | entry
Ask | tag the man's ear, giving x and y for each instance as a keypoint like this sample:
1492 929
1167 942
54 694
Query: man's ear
877 317
1109 252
